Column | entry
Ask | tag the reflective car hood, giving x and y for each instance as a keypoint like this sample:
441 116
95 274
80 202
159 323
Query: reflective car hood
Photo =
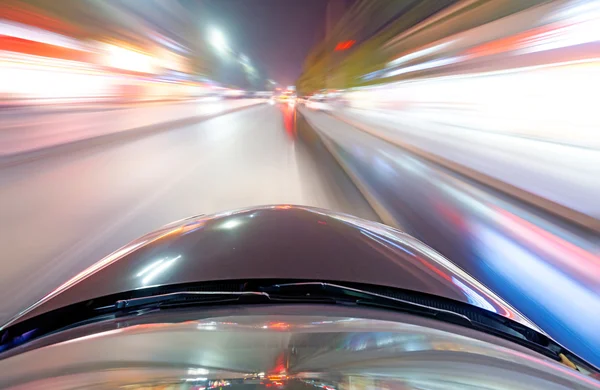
278 242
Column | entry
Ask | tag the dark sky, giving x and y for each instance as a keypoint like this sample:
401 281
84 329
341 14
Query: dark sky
275 34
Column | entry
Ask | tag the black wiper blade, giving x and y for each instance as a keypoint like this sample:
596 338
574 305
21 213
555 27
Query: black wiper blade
183 296
323 292
363 297
494 323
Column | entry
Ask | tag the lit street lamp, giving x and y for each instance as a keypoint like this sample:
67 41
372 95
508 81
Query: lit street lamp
217 39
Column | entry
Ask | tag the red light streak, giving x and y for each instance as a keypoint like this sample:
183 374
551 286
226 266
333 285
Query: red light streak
345 45
435 269
19 45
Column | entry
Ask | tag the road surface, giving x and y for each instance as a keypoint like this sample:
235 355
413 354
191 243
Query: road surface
63 211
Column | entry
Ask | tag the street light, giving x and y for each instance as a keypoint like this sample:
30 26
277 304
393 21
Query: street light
217 39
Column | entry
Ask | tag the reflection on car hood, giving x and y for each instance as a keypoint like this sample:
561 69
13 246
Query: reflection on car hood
278 242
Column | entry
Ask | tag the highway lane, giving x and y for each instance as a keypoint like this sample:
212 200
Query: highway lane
546 267
64 211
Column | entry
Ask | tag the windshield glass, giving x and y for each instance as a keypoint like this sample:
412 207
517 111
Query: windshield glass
319 139
304 347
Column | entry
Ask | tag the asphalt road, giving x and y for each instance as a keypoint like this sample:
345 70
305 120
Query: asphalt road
65 209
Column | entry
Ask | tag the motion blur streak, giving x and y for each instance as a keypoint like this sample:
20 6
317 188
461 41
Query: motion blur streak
506 94
526 78
49 60
472 125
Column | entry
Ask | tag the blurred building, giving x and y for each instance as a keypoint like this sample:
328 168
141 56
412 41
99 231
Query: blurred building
63 51
333 14
362 22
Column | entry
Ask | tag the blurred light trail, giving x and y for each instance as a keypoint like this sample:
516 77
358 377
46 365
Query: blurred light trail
9 29
345 45
508 97
47 60
126 59
417 54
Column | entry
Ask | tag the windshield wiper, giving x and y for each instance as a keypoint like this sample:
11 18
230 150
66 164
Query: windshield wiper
271 292
187 296
474 317
179 298
322 292
302 292
362 297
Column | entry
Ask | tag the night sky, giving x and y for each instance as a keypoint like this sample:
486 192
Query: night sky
276 34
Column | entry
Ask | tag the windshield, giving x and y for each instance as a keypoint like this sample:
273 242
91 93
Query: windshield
469 125
304 346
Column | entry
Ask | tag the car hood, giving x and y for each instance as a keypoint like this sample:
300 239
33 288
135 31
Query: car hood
275 242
